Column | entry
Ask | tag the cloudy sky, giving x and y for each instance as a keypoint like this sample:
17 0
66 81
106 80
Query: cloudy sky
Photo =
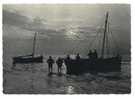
66 23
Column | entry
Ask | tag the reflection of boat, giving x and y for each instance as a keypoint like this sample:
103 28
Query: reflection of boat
28 58
102 64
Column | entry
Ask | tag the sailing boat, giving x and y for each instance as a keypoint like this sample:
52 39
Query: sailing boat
29 58
97 64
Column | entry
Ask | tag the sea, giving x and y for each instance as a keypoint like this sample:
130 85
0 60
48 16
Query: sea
35 79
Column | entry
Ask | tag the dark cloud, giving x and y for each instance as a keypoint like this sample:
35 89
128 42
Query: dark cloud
15 19
36 25
56 24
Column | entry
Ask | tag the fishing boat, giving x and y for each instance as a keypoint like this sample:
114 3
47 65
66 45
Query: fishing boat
32 58
98 64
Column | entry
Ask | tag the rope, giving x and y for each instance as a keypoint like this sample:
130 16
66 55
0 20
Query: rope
114 41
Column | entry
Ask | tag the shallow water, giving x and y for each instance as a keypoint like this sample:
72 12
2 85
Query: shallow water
36 79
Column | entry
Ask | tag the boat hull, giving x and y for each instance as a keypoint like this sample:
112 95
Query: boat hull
80 66
26 60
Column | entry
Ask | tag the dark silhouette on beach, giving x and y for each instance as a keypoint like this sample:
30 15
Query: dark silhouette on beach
59 63
50 62
78 56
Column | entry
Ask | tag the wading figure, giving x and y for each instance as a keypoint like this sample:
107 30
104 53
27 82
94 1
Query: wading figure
95 56
77 56
90 54
50 62
68 57
59 64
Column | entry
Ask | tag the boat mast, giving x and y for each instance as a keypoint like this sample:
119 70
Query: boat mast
104 37
34 43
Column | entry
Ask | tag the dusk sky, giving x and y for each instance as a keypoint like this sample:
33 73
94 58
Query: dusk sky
66 23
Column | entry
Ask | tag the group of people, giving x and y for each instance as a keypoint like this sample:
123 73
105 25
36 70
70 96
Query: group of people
59 62
51 61
92 55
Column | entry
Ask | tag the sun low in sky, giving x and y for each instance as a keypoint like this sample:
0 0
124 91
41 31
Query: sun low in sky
66 23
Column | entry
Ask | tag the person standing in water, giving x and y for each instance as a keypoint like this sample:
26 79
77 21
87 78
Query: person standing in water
77 56
59 63
90 54
50 62
68 57
95 54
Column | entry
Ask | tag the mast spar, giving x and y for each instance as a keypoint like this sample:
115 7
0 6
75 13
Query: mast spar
34 43
104 37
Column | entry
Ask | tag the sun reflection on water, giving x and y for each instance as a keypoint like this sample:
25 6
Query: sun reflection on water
70 90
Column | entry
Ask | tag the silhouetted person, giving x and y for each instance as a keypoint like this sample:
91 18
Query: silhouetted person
68 57
90 54
118 56
67 61
59 64
50 62
95 56
77 56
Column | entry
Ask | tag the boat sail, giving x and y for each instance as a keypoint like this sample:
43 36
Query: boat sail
28 58
97 64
